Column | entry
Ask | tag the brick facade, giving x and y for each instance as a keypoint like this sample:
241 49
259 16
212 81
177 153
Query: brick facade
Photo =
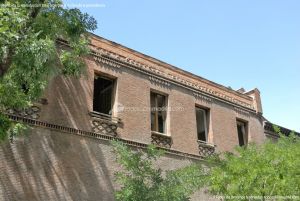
52 164
136 75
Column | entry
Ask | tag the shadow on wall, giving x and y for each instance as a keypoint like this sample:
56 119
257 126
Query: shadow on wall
48 165
69 100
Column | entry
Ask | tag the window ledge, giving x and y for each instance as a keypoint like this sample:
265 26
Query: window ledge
159 133
104 124
207 144
161 139
104 117
205 148
32 112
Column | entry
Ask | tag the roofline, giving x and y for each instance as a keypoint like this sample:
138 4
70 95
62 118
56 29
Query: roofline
268 126
172 67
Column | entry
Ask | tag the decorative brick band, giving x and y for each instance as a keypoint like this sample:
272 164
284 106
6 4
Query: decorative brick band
100 127
32 112
102 53
202 98
97 136
242 112
161 140
206 149
159 81
103 56
107 61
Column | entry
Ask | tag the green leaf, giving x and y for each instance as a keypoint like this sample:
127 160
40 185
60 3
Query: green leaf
29 44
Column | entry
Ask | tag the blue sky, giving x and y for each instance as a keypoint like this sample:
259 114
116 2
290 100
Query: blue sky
237 43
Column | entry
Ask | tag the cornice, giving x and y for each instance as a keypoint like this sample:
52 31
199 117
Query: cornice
159 81
101 54
157 62
107 61
203 98
241 112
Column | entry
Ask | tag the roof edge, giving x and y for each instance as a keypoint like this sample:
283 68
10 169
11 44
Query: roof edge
172 67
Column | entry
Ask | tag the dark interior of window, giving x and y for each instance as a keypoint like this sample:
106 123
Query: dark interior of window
241 129
158 112
103 91
201 124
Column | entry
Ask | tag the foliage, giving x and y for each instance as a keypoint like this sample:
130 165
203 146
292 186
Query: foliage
29 54
10 128
140 180
271 169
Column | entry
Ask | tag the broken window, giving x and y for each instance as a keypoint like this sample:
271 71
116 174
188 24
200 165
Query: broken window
158 112
242 132
103 94
202 123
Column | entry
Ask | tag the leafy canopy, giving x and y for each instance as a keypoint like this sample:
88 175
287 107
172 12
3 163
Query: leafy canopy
140 180
256 172
272 169
29 53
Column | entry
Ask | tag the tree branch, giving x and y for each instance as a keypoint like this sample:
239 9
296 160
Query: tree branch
5 65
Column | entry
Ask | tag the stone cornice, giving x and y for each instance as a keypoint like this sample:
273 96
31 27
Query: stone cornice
100 53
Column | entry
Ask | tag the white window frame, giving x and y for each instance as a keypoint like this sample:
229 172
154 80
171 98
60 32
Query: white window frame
165 128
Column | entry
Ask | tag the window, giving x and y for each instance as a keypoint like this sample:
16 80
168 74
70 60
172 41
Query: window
103 94
242 132
202 123
158 112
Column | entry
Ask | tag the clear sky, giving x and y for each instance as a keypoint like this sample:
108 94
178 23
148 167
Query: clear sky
237 43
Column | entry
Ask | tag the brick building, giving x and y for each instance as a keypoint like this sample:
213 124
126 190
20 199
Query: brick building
128 95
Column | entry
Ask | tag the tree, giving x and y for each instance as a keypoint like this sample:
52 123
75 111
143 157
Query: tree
272 169
140 180
256 172
29 53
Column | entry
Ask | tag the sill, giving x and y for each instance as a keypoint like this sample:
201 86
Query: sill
162 134
104 117
205 143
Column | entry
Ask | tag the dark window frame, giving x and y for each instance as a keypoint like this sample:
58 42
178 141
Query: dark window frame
242 132
206 119
110 89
